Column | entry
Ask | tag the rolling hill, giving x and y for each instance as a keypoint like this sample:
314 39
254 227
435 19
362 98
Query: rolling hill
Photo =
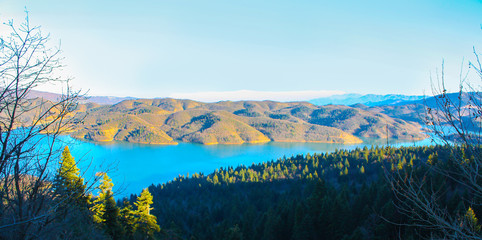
168 121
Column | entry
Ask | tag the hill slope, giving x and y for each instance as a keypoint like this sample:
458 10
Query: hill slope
165 121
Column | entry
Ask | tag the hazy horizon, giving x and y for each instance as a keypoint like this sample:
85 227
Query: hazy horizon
248 95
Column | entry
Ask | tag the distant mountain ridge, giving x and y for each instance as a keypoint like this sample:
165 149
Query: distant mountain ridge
107 100
368 99
343 99
102 100
414 111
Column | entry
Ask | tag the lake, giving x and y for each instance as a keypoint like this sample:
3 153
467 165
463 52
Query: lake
136 166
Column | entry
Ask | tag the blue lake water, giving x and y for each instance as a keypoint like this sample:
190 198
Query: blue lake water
136 166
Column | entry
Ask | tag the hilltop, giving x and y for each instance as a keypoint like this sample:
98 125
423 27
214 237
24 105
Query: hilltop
168 121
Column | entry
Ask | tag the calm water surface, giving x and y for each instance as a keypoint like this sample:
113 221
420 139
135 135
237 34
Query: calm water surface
137 166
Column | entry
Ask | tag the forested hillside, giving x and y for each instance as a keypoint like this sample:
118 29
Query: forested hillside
340 195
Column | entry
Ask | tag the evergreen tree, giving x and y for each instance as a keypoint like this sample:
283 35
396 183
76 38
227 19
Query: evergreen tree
234 233
69 186
110 217
472 220
73 218
146 223
105 192
127 219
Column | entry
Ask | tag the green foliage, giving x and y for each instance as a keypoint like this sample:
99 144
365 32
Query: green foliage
317 196
72 204
68 169
124 223
247 113
279 116
207 120
68 185
472 220
234 233
432 159
339 195
110 217
127 219
146 223
105 193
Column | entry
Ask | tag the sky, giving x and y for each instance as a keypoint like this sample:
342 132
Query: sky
255 49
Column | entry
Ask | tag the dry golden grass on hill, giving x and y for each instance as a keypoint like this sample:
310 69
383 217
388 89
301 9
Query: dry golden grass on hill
165 121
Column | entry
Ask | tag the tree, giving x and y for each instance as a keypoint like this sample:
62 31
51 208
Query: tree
69 185
110 217
455 121
146 222
100 202
105 211
128 219
26 122
72 220
234 233
215 179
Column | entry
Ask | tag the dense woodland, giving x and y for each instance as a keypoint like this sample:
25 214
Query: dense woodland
339 195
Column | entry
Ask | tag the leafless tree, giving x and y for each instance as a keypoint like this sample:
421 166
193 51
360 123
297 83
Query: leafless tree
29 128
454 120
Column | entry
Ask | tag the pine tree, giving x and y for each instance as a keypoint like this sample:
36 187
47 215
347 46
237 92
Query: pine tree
400 165
234 233
72 203
410 164
347 163
215 179
69 186
472 220
146 223
432 159
105 191
362 169
110 217
105 211
127 219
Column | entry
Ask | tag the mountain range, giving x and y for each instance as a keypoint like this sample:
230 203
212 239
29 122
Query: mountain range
340 99
169 121
102 100
368 99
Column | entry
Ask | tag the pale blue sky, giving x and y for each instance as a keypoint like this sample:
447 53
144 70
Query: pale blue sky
160 48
